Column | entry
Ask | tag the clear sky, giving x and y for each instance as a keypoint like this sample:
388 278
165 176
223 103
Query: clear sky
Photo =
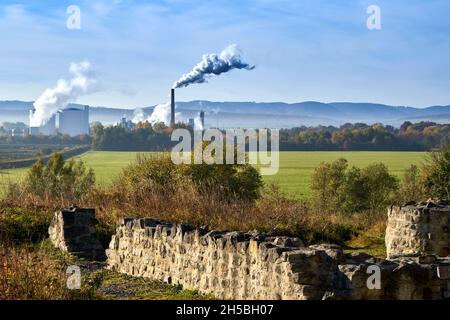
303 49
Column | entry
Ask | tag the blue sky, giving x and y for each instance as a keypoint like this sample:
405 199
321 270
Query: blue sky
303 50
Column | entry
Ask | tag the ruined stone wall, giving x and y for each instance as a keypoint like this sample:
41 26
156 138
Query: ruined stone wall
230 265
240 265
73 231
420 229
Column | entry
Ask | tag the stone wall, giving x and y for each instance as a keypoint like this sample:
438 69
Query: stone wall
73 231
419 229
240 265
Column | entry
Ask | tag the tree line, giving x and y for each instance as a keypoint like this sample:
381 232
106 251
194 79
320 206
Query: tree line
421 136
360 136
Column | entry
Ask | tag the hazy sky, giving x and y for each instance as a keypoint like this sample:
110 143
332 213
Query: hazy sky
303 50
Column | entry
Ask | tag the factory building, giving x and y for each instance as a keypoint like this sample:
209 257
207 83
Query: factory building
73 121
70 121
48 128
127 124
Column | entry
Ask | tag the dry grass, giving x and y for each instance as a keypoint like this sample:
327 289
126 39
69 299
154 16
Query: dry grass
38 272
371 241
274 212
28 274
150 189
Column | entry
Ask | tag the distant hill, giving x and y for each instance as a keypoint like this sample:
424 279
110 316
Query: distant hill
257 114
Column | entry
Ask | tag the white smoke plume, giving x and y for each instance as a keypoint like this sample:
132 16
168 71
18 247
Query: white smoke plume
65 92
161 113
213 64
138 115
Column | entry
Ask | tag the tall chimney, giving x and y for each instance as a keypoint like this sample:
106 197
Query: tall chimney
172 107
202 119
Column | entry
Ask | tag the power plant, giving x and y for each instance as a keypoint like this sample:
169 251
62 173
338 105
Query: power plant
71 121
74 121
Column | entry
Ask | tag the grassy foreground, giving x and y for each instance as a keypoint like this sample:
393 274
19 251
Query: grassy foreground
293 176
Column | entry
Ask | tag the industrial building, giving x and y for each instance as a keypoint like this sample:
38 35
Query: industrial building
127 124
71 121
48 128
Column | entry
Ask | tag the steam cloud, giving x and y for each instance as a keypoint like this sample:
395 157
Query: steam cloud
161 113
227 60
138 115
65 92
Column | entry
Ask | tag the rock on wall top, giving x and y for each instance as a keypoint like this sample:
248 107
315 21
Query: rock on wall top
419 229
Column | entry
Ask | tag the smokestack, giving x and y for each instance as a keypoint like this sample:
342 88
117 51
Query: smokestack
202 119
172 107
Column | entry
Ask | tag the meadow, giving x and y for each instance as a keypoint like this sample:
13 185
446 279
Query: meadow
293 176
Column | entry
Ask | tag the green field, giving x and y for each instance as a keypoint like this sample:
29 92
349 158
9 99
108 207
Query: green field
293 176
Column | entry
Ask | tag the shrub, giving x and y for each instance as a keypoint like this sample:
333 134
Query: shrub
326 179
31 273
158 174
338 188
379 186
436 174
432 180
21 225
411 187
59 179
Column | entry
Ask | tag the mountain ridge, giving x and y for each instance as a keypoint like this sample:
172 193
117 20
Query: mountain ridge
276 114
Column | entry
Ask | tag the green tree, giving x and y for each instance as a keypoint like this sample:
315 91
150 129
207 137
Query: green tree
436 174
411 187
326 180
159 174
59 178
338 188
379 185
